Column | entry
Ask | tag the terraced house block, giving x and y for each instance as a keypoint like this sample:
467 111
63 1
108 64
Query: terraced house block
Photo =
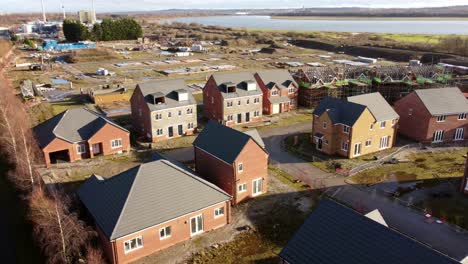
362 125
163 110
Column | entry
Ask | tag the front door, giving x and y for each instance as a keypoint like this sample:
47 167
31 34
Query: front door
239 118
247 117
97 149
276 108
257 187
170 131
319 144
196 225
181 130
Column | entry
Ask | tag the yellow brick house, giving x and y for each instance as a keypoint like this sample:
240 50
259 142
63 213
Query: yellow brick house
358 126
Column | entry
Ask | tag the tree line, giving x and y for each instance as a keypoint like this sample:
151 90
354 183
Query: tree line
109 29
57 229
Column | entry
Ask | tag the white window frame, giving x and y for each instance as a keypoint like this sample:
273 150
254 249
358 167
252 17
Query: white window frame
256 100
218 213
462 116
346 129
441 118
81 148
371 127
384 142
438 136
253 187
166 236
274 92
383 124
137 247
158 116
240 167
292 102
291 90
368 141
247 102
113 141
459 134
355 148
344 146
169 114
242 187
196 224
159 132
324 125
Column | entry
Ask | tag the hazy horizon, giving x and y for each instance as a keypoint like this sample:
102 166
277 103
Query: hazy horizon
11 6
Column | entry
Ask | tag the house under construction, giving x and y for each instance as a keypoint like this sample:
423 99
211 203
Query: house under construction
393 82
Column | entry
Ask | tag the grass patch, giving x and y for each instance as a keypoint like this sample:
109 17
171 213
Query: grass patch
287 179
420 167
291 118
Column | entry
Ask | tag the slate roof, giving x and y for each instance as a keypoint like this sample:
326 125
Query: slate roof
73 125
377 105
282 78
335 234
145 196
340 111
169 89
224 142
443 101
238 79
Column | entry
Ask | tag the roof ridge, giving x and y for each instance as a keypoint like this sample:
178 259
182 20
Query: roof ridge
126 200
58 122
192 175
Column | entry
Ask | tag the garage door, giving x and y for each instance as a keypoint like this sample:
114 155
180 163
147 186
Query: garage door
276 108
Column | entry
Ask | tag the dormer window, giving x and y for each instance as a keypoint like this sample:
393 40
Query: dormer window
441 118
250 85
182 95
157 98
229 87
462 116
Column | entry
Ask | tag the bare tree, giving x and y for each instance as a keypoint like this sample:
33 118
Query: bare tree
94 256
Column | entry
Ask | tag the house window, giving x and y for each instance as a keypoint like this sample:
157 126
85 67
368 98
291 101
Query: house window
229 104
219 212
116 143
292 102
410 111
140 112
229 118
438 136
158 116
240 167
180 112
190 126
344 146
256 100
256 113
196 225
357 149
384 141
346 129
393 122
165 232
441 118
242 187
383 124
169 114
274 92
291 90
239 103
368 142
189 111
324 125
159 131
371 126
248 101
459 134
80 149
133 244
257 186
462 116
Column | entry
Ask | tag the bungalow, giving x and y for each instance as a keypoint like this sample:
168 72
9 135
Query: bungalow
151 207
163 109
336 234
237 162
362 125
434 115
79 133
279 89
232 98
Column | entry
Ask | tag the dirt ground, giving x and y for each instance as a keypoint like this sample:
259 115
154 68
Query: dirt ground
249 221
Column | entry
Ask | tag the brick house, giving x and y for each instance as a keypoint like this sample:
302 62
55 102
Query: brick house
362 125
232 98
237 162
163 109
79 133
434 115
151 207
279 89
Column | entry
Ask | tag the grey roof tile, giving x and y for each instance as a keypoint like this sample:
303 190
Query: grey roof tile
169 89
145 196
282 78
443 101
340 111
377 105
335 234
238 79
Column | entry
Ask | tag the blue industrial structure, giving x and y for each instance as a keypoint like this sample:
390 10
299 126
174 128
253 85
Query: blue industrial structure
54 45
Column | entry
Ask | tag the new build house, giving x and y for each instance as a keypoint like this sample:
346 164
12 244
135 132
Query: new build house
361 125
237 162
434 115
279 89
336 234
151 207
163 109
232 98
79 133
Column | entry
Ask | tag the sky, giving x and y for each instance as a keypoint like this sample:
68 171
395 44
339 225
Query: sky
18 6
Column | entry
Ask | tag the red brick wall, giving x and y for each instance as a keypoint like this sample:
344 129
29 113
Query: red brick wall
59 145
108 133
141 124
213 110
267 106
180 229
420 125
215 171
255 165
